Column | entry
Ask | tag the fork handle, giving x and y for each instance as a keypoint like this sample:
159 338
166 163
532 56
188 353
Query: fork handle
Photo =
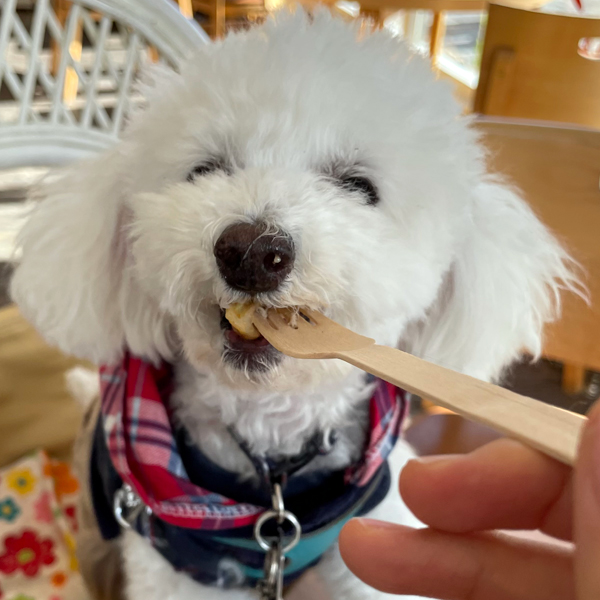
553 431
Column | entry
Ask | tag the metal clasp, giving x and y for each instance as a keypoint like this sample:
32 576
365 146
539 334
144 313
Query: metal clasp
127 506
271 586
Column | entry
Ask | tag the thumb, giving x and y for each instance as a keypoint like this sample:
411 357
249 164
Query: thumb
587 510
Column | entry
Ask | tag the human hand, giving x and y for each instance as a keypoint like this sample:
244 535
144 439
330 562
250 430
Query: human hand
463 499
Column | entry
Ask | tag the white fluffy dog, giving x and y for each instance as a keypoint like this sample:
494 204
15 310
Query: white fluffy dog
371 192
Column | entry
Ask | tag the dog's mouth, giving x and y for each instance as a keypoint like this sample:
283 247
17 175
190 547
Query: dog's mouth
245 348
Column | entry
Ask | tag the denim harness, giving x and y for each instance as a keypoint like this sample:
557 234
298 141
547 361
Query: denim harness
322 502
206 530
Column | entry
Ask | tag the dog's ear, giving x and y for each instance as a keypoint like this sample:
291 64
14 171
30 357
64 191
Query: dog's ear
504 284
71 280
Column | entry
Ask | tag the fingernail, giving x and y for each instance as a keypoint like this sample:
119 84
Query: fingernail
435 461
373 524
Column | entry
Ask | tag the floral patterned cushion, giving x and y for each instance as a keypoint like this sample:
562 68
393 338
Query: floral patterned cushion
38 521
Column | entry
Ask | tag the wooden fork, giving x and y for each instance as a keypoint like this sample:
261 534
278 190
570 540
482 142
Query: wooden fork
551 430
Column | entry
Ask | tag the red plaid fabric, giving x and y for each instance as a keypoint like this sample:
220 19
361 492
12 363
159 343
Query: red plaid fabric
143 451
388 409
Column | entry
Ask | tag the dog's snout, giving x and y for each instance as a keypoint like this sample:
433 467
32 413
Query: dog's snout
253 259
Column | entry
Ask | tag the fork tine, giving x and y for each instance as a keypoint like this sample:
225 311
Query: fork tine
318 337
274 320
283 318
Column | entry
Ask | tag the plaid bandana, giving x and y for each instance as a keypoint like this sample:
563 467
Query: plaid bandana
142 447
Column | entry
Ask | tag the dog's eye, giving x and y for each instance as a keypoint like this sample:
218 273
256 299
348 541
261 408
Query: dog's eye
363 186
205 168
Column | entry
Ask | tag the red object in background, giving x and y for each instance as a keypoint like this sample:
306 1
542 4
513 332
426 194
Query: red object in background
578 4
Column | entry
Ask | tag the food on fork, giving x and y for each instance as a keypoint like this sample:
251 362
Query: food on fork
240 317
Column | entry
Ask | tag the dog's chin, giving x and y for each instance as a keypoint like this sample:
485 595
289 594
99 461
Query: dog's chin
261 369
236 362
255 358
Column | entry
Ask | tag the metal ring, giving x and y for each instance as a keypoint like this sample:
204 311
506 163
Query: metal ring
285 516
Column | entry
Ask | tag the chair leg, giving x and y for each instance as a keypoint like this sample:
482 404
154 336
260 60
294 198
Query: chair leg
436 36
573 378
61 10
219 18
185 8
71 83
71 78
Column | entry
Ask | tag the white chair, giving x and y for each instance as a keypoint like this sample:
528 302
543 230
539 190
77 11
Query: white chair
68 79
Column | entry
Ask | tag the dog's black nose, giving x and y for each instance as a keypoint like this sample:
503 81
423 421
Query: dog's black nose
253 259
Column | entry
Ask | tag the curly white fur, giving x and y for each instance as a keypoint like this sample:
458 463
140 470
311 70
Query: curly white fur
451 264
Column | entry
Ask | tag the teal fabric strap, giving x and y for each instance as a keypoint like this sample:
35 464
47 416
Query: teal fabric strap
312 545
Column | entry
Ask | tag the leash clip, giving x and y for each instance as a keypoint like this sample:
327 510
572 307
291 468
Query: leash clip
271 586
